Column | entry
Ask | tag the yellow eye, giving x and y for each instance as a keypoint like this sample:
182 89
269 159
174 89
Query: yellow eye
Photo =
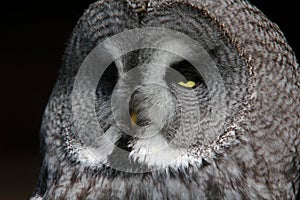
188 84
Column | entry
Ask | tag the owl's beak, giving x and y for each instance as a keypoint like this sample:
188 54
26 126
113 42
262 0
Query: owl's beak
133 119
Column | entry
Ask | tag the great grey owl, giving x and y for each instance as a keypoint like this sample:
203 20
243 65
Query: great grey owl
153 125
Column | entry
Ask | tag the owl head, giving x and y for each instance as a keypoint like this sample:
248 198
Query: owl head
199 99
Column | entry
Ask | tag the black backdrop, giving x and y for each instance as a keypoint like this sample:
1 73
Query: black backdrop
33 39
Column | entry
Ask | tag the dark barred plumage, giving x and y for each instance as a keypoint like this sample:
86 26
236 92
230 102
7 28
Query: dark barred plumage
253 155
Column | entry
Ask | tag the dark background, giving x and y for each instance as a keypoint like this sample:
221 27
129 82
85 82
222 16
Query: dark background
32 42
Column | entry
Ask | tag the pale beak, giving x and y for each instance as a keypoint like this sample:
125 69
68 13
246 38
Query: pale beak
133 118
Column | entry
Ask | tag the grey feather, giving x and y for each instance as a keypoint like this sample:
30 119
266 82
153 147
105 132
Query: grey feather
254 155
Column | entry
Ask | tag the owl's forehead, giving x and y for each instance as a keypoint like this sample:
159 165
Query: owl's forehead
163 50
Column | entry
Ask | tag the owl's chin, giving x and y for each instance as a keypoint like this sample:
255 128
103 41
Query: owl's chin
156 152
153 153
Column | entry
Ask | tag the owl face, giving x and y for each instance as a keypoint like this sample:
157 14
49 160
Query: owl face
164 96
178 99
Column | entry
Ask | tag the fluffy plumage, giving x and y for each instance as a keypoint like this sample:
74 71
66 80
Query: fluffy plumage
253 155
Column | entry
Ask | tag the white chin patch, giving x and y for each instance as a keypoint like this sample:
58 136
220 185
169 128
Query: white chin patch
155 152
